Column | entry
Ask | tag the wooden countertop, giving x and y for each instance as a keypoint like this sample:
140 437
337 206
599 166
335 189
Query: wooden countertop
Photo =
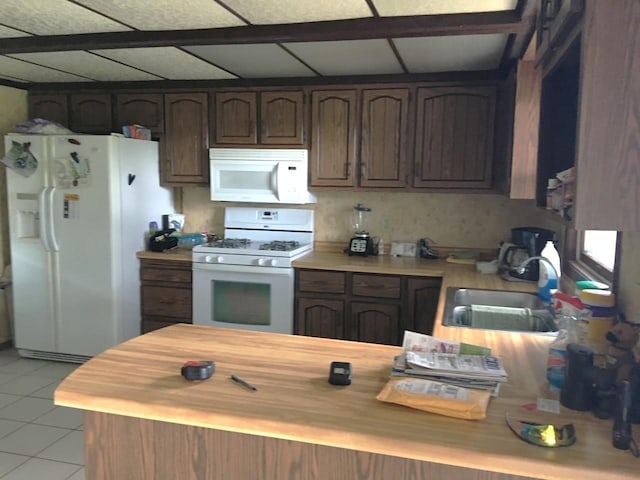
140 378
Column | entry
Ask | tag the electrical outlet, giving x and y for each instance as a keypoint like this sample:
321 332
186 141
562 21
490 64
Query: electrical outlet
403 249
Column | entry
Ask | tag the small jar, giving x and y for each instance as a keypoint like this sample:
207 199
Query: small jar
600 312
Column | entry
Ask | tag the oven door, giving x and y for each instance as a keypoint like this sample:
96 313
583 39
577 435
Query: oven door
243 297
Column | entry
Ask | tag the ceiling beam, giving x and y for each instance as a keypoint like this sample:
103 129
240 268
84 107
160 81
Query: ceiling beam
508 22
519 42
445 78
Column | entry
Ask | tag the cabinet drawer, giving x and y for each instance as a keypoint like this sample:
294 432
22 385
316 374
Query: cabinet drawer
166 275
376 286
166 302
321 281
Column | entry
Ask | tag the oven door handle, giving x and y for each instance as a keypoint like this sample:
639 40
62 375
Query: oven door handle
222 268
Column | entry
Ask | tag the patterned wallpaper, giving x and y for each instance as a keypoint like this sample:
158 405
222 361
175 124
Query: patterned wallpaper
452 220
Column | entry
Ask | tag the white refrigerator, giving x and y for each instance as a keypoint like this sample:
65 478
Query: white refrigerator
79 208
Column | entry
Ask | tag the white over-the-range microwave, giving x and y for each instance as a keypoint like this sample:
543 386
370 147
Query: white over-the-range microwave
260 175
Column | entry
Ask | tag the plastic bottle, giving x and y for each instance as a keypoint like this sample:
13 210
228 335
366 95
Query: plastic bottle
548 280
381 246
557 357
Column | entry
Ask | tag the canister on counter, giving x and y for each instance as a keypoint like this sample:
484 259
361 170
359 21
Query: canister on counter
597 318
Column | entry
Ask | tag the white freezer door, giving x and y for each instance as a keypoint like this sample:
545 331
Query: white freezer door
33 268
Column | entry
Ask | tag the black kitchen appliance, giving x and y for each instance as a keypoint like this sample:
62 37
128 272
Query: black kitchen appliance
362 243
527 242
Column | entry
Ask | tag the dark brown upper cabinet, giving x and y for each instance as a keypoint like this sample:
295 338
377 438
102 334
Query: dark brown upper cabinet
454 137
332 159
185 145
90 112
146 109
54 107
235 118
282 118
259 118
384 137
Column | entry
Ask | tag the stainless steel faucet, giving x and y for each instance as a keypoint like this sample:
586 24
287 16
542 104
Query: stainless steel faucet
520 268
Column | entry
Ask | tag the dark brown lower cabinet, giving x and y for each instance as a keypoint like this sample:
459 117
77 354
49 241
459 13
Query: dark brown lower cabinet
364 307
165 292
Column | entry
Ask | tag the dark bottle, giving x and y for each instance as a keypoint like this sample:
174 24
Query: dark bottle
621 421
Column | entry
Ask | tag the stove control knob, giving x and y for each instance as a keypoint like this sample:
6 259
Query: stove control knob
262 262
213 259
273 262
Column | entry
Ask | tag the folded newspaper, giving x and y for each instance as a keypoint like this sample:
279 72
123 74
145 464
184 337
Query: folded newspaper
459 364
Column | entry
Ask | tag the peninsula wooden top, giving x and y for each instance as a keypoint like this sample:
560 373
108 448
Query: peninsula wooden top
294 401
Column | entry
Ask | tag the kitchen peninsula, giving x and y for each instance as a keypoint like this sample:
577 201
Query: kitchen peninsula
144 421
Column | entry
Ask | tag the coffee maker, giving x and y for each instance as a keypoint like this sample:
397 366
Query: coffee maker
526 242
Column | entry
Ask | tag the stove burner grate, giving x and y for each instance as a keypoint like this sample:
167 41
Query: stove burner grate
280 245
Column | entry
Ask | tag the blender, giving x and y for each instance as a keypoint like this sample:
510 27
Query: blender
361 243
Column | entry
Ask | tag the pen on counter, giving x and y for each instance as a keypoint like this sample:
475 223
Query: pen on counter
243 383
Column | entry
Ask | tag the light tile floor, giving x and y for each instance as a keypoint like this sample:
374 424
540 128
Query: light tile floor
37 439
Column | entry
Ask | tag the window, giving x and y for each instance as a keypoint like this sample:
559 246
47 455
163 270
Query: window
593 254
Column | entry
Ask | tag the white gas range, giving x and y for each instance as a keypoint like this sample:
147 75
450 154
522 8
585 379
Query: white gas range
245 280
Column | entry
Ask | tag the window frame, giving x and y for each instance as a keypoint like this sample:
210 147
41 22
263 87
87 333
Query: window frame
581 267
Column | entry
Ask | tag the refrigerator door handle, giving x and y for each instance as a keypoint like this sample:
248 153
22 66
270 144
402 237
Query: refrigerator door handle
42 219
53 243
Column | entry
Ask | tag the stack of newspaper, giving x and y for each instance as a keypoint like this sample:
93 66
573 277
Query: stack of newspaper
458 364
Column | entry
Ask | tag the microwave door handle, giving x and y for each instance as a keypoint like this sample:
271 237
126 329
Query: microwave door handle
276 175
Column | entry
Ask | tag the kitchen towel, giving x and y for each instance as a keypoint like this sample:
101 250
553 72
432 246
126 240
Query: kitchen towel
501 318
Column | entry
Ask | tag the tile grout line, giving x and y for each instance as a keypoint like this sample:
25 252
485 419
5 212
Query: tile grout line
32 422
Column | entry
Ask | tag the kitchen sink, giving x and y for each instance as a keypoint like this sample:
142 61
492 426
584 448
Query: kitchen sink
497 310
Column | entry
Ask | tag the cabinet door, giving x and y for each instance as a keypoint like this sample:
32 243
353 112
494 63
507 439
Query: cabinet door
49 107
282 118
422 299
186 159
454 137
376 323
236 114
608 142
383 152
146 109
91 113
333 138
320 318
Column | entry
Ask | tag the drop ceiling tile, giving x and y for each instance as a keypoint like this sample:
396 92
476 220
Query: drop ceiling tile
451 53
6 32
253 61
54 17
296 11
87 65
166 14
167 62
393 8
34 73
352 57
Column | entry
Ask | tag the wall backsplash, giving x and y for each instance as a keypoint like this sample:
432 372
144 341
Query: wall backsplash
452 220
